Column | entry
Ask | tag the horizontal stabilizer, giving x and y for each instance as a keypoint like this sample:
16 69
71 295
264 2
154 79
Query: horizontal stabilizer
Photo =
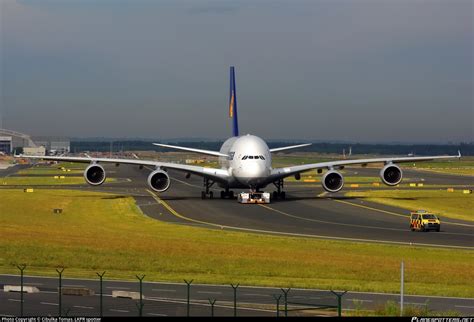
289 147
208 152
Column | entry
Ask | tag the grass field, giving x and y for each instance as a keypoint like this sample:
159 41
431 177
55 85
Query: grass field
45 181
445 204
465 166
108 232
49 171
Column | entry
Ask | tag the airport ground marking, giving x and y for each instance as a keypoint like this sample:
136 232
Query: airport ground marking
325 222
393 213
250 230
324 193
343 224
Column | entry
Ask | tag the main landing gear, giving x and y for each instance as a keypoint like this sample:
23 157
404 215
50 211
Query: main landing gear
279 193
207 186
227 194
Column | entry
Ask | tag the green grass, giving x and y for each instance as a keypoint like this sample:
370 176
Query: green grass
44 181
48 171
99 231
455 204
465 166
38 181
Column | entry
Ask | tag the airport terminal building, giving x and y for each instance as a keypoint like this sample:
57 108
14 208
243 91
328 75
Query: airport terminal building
6 144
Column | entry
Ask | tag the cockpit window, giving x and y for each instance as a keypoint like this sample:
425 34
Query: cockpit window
256 157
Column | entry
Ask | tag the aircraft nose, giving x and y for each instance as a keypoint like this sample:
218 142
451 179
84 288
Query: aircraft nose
255 170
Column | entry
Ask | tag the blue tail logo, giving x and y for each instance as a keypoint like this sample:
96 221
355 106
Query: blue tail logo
233 103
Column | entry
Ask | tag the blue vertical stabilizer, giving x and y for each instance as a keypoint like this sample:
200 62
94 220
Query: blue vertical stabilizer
233 103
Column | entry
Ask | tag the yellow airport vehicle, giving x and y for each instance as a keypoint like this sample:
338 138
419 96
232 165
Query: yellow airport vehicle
421 220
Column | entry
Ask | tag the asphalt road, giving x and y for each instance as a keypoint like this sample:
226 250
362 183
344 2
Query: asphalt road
169 299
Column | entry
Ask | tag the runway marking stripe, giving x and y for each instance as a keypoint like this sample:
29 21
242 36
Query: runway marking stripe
171 210
201 303
84 307
206 292
119 288
47 303
393 213
327 222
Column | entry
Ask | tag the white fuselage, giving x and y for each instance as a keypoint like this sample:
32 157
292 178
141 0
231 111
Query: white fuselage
250 161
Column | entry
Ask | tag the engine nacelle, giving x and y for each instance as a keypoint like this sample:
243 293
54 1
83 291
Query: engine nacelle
332 181
391 174
94 175
159 181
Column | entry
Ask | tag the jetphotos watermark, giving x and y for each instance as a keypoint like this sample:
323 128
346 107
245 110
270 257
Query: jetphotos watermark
416 319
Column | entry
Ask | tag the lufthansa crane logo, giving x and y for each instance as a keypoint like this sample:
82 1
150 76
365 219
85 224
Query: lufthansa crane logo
231 105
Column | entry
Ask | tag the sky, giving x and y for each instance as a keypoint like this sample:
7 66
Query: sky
359 71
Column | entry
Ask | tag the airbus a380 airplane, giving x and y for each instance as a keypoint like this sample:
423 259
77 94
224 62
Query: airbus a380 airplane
245 162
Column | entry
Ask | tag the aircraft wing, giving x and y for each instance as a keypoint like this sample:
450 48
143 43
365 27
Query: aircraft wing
183 148
280 173
290 147
219 175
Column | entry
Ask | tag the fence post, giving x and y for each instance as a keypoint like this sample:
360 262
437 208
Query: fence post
212 302
277 298
402 281
235 297
21 268
188 284
60 289
140 308
285 293
339 301
100 277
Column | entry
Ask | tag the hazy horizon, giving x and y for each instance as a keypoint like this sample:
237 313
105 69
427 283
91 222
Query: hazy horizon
352 71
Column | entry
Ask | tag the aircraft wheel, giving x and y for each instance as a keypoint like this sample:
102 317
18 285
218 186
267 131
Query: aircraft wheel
222 194
203 195
283 195
231 195
275 195
211 195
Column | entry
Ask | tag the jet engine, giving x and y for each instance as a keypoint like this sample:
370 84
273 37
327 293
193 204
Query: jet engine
94 174
391 174
332 181
159 181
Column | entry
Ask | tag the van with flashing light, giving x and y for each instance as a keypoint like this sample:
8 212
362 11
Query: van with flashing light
421 220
